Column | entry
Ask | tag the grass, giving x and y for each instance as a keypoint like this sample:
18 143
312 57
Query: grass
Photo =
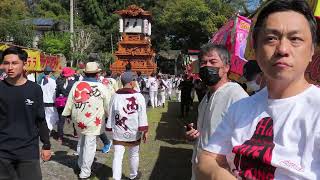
166 155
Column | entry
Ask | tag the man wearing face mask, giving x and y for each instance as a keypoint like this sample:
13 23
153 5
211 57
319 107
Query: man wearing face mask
214 67
253 74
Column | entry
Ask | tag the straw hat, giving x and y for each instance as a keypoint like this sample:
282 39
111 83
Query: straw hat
92 67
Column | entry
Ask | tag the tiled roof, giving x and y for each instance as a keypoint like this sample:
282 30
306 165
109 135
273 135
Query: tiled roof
40 21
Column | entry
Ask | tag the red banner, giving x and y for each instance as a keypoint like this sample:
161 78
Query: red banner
52 61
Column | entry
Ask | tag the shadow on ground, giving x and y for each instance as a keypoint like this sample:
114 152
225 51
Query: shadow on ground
172 164
171 126
99 171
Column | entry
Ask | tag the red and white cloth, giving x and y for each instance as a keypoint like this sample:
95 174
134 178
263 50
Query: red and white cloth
127 115
88 104
111 83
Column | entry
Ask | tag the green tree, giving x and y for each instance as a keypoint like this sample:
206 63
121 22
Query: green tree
11 28
188 23
13 9
106 59
56 43
93 13
51 9
16 32
100 15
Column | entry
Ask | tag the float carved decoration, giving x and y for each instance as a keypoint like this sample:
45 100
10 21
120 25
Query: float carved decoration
133 11
134 47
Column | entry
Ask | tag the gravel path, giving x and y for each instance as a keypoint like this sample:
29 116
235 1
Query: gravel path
62 165
166 155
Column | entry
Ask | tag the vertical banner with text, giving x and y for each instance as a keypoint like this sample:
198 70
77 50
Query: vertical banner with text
234 36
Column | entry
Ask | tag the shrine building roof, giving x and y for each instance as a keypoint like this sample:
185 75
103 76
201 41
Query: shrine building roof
134 11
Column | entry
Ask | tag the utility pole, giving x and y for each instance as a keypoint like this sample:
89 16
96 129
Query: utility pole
71 31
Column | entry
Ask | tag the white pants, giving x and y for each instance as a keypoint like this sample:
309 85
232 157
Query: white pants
169 93
87 151
153 98
162 98
193 175
146 98
117 161
52 116
178 94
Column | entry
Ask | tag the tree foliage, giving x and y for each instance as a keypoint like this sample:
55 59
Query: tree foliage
184 24
54 9
14 10
55 43
177 24
17 32
11 26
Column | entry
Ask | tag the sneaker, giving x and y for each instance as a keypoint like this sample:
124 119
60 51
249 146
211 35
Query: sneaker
138 176
76 153
82 176
106 148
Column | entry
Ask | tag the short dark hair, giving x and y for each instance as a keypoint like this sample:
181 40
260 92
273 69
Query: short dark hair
22 54
90 75
222 51
250 69
128 66
299 6
139 73
108 72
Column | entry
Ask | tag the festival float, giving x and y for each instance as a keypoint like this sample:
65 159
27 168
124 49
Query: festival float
134 46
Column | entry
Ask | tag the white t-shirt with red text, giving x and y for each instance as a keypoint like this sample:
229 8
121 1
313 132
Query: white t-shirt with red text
271 138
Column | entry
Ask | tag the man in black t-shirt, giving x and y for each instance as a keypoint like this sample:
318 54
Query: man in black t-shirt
22 121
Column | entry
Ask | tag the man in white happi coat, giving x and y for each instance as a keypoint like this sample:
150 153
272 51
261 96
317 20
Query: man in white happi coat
87 104
127 124
48 86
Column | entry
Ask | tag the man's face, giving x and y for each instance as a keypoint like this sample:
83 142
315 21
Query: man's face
284 46
13 66
212 59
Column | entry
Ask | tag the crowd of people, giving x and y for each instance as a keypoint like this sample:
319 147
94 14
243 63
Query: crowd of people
268 128
96 104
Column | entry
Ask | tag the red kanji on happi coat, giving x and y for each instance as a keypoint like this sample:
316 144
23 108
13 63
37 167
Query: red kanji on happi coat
121 122
82 92
105 81
98 121
132 106
82 125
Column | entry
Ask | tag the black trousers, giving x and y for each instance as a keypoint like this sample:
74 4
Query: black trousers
104 138
185 106
20 169
61 124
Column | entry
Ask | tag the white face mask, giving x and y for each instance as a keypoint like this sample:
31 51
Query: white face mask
253 86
